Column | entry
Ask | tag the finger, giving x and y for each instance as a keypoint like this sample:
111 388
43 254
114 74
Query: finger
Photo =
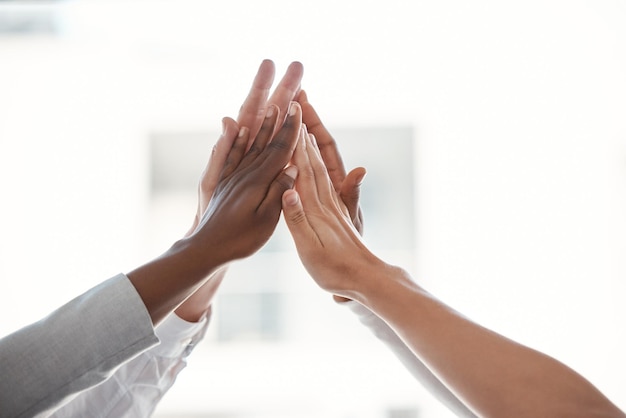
253 108
265 134
215 165
296 220
279 151
325 141
287 88
236 152
305 182
350 193
285 181
323 184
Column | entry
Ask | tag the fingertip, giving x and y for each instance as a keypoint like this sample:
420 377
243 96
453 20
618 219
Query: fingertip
272 109
302 97
291 198
296 66
292 171
294 107
265 75
229 123
340 299
360 173
266 64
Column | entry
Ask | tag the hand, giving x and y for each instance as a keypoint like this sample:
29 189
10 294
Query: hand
251 115
348 186
328 243
253 109
239 206
246 204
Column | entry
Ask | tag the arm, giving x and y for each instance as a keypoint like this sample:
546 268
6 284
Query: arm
238 220
413 364
348 188
41 367
494 376
136 387
44 363
251 115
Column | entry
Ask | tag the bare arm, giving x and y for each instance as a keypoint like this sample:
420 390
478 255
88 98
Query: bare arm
494 376
347 185
251 115
239 219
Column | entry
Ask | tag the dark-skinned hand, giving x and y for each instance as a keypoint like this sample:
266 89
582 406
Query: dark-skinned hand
246 204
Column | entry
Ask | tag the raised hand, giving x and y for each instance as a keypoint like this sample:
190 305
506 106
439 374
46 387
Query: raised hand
246 204
253 109
239 219
347 185
251 115
327 241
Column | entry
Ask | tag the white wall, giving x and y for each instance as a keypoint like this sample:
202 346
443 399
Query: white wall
520 153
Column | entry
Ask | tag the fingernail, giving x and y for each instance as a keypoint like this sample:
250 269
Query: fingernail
292 171
359 179
270 112
291 198
242 131
293 108
223 127
302 137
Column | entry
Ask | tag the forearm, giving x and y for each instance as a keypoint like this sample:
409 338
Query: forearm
76 347
165 282
412 363
493 375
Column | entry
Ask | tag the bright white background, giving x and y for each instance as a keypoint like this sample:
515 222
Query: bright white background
520 152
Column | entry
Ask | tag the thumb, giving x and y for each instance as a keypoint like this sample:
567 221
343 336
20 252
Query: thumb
295 217
279 186
350 190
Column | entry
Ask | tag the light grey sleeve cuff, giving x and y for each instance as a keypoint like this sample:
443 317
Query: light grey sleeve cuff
75 347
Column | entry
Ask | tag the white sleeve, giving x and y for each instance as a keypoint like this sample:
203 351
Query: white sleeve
418 369
135 389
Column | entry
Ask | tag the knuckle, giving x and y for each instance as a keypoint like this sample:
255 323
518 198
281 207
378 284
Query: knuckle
307 172
297 217
278 145
254 149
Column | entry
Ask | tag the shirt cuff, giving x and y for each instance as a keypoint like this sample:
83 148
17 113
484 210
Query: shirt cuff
179 337
368 318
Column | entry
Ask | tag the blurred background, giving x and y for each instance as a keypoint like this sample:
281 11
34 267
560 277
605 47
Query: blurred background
494 137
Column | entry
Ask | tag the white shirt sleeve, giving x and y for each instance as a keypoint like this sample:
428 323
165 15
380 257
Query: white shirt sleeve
135 389
414 365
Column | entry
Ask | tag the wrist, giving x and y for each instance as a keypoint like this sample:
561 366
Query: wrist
165 282
195 257
383 285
